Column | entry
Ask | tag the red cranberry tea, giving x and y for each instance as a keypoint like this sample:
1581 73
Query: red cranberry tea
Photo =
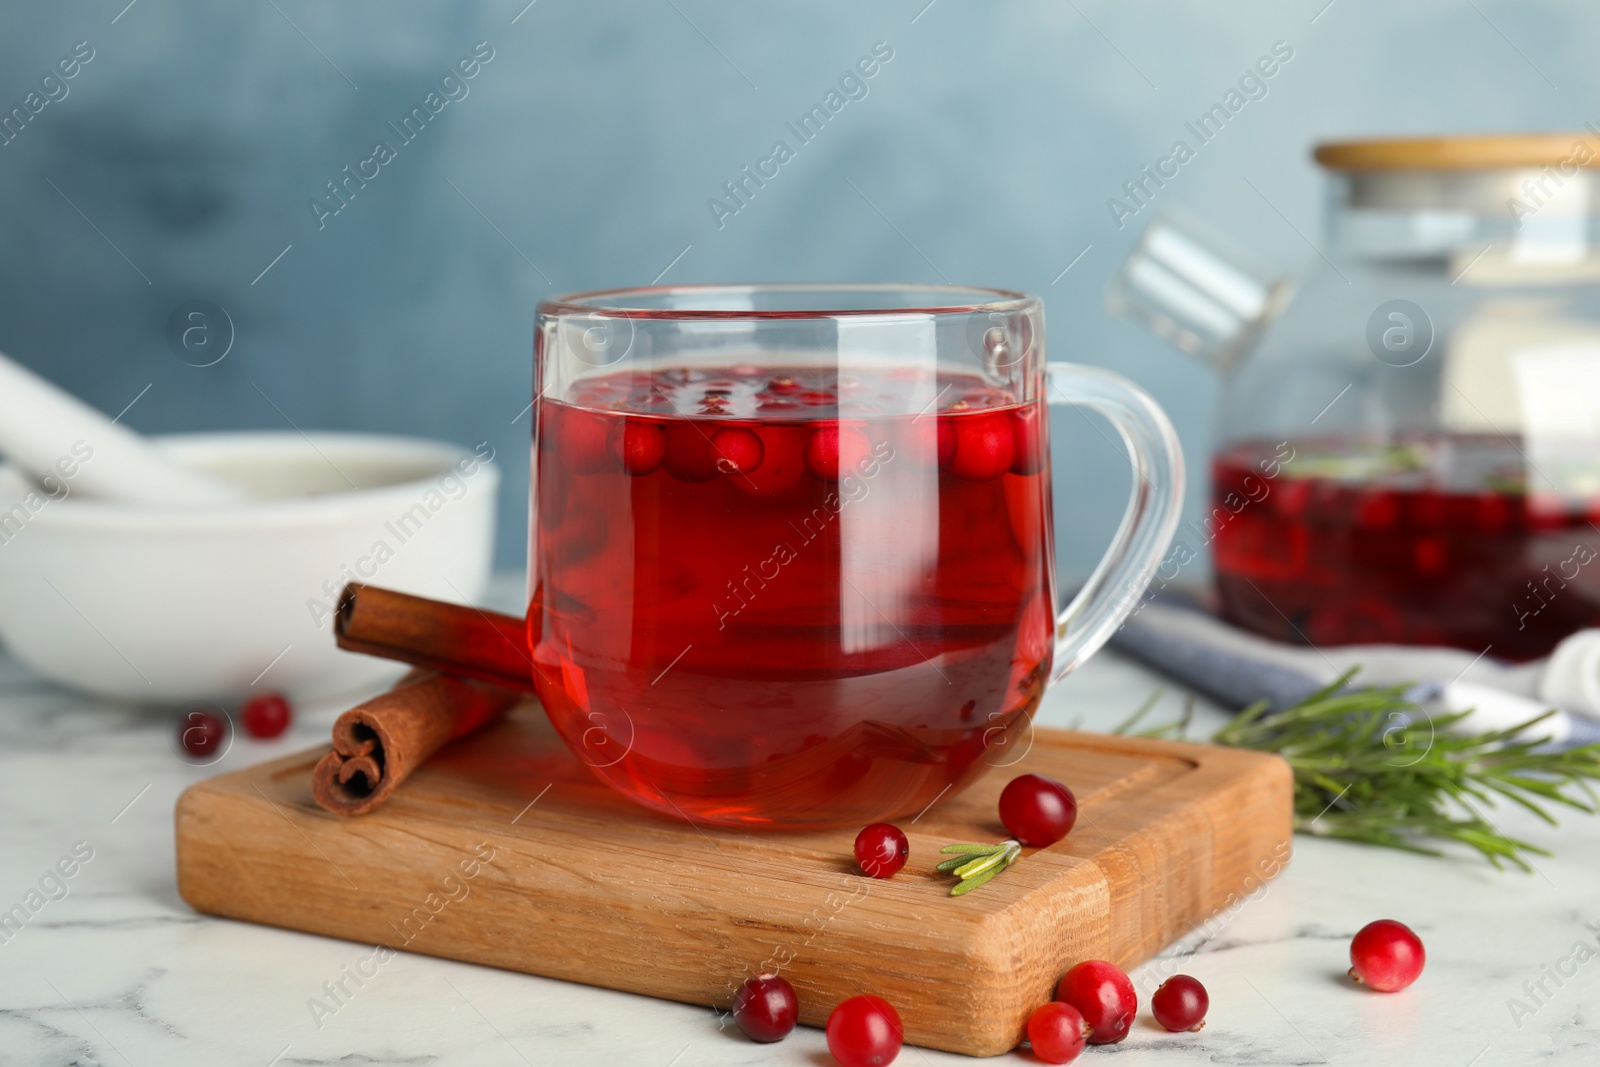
1438 541
787 596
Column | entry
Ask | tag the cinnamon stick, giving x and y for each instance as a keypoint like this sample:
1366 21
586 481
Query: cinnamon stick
463 641
378 744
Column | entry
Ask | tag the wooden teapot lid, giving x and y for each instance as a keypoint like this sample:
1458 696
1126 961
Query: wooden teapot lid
1476 152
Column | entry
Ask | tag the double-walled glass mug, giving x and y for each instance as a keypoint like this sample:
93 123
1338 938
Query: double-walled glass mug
791 545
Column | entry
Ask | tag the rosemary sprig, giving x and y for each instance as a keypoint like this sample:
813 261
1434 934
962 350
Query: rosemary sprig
1369 767
976 864
1126 725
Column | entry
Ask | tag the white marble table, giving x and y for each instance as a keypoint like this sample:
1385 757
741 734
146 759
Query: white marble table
120 971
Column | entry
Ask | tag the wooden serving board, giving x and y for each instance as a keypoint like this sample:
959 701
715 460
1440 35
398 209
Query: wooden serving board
504 850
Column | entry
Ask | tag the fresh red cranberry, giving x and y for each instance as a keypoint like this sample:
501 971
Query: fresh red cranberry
202 733
1378 510
1105 997
1292 497
1036 810
865 1032
1493 512
1180 1004
766 1008
688 452
737 450
1027 431
834 451
582 441
985 446
1425 509
638 445
946 442
1057 1032
1386 955
265 715
881 850
783 462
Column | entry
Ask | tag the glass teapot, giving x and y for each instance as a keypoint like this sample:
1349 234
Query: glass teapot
1410 451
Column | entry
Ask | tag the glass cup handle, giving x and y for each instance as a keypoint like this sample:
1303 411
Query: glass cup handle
1147 525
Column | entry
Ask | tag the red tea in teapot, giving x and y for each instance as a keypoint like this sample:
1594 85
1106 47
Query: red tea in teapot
1445 540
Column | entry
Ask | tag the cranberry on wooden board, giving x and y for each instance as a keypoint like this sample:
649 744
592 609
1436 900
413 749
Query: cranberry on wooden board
1036 810
1386 955
1102 992
881 849
766 1008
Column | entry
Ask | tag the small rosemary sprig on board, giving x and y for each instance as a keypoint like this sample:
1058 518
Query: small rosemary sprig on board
976 864
1367 768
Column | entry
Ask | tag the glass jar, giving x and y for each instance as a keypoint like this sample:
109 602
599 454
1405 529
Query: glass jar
1411 453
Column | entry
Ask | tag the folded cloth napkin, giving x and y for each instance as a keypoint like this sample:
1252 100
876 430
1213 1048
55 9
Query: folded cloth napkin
1182 639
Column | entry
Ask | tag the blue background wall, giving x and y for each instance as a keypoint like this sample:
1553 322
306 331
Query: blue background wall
585 151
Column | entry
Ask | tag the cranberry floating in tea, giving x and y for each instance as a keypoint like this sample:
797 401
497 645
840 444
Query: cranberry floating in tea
791 549
1411 453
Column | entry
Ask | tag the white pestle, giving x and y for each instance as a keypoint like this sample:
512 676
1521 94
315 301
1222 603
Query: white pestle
69 447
